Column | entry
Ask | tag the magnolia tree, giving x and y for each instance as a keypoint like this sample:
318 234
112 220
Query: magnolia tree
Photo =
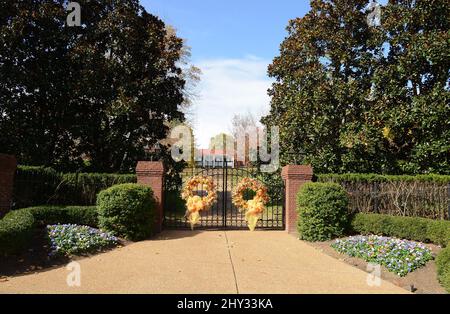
361 87
90 91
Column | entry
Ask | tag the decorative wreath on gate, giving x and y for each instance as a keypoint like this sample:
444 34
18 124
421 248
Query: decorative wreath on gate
255 207
194 203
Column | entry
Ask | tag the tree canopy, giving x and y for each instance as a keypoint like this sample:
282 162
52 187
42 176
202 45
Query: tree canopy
351 96
91 97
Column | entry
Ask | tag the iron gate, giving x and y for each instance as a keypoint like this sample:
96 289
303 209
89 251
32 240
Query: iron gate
223 214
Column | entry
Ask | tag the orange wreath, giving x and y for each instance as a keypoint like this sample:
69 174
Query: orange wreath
194 203
255 207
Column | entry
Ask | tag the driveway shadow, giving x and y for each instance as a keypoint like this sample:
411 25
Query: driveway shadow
34 259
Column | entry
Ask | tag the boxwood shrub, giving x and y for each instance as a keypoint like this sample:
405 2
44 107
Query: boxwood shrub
34 185
82 188
37 186
127 210
443 267
16 231
411 228
51 215
370 177
322 209
17 227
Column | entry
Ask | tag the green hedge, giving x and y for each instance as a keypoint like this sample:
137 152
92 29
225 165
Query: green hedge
82 188
423 196
322 209
443 268
411 228
127 210
16 228
36 186
16 231
52 215
363 177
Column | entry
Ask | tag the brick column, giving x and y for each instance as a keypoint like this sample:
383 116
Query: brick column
150 173
8 165
294 177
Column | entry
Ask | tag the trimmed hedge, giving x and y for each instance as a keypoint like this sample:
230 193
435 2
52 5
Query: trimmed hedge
411 228
364 177
423 196
52 215
17 227
127 210
16 231
322 209
443 268
82 188
36 186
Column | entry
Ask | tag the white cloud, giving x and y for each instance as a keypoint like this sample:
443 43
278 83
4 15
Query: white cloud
229 86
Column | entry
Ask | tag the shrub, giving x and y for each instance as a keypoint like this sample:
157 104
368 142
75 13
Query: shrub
51 215
438 232
174 203
16 231
322 209
36 186
411 228
74 239
82 188
368 177
16 228
402 195
443 268
127 210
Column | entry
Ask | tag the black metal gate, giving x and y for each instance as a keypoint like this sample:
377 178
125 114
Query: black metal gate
223 214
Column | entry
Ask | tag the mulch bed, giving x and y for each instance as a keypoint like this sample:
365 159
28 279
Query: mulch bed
421 281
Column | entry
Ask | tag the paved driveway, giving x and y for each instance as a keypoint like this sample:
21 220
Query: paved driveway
207 262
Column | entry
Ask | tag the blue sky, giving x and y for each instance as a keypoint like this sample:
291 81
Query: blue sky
232 42
229 28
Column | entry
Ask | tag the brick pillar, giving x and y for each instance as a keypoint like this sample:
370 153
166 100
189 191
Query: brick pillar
294 177
8 165
150 173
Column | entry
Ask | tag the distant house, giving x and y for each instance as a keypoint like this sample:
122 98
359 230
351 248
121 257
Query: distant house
215 158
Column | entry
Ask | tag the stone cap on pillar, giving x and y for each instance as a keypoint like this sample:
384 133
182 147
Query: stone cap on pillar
7 161
150 167
300 172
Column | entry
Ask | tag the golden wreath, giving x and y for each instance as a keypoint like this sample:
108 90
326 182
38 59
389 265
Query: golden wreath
256 205
195 203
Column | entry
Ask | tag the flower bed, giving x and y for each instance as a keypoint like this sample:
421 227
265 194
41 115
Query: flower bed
398 256
74 239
